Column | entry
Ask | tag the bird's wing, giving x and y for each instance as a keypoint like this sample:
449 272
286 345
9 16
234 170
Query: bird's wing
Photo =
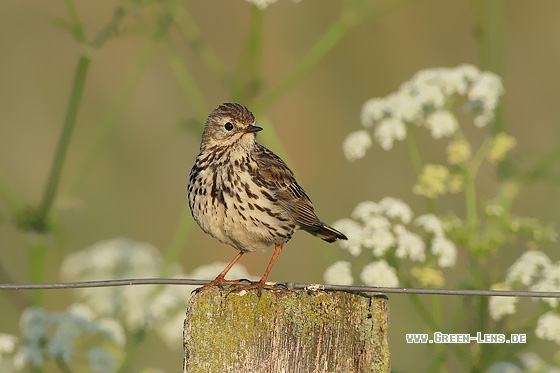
281 185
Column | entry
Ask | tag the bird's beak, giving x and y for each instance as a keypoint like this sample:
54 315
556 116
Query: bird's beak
252 129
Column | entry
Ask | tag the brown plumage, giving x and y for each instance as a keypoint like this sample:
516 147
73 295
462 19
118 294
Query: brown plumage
243 194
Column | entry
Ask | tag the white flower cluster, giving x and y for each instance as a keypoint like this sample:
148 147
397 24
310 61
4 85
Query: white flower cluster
55 335
537 272
263 4
339 273
136 307
356 144
548 327
549 281
94 331
11 358
498 307
379 273
387 225
423 101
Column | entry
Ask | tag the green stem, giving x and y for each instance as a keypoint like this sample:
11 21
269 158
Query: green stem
480 156
188 84
507 192
9 196
64 368
434 326
436 309
64 140
76 25
193 35
179 240
470 200
247 80
20 299
315 54
490 36
420 309
414 152
482 321
417 164
489 32
350 16
110 29
543 165
437 362
471 172
433 320
110 121
131 348
477 310
424 314
37 255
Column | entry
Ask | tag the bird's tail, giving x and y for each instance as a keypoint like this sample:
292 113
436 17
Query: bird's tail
325 232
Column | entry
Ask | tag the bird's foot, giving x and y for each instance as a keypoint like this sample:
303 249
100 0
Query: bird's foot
260 285
219 281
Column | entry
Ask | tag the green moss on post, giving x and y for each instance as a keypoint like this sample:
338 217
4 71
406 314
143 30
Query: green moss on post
290 331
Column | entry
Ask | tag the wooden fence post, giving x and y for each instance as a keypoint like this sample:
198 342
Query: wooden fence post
291 331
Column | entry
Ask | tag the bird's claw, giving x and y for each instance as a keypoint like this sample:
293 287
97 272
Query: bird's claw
259 286
220 282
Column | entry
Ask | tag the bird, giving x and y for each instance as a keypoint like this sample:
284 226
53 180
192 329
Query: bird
244 195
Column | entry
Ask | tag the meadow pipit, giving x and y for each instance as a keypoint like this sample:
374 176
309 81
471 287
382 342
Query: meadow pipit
244 195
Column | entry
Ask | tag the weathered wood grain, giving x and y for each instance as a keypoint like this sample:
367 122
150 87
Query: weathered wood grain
290 331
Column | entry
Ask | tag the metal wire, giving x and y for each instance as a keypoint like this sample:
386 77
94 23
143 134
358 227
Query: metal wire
288 285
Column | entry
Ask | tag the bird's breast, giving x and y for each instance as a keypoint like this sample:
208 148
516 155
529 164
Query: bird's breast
228 204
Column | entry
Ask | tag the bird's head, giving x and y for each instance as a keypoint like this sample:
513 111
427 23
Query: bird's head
229 125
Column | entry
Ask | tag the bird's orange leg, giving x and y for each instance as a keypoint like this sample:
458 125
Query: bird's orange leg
220 280
262 282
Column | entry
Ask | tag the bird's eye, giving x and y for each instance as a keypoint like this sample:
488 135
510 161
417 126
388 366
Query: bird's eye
228 126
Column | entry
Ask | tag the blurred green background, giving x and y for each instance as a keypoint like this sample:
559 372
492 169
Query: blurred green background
135 186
